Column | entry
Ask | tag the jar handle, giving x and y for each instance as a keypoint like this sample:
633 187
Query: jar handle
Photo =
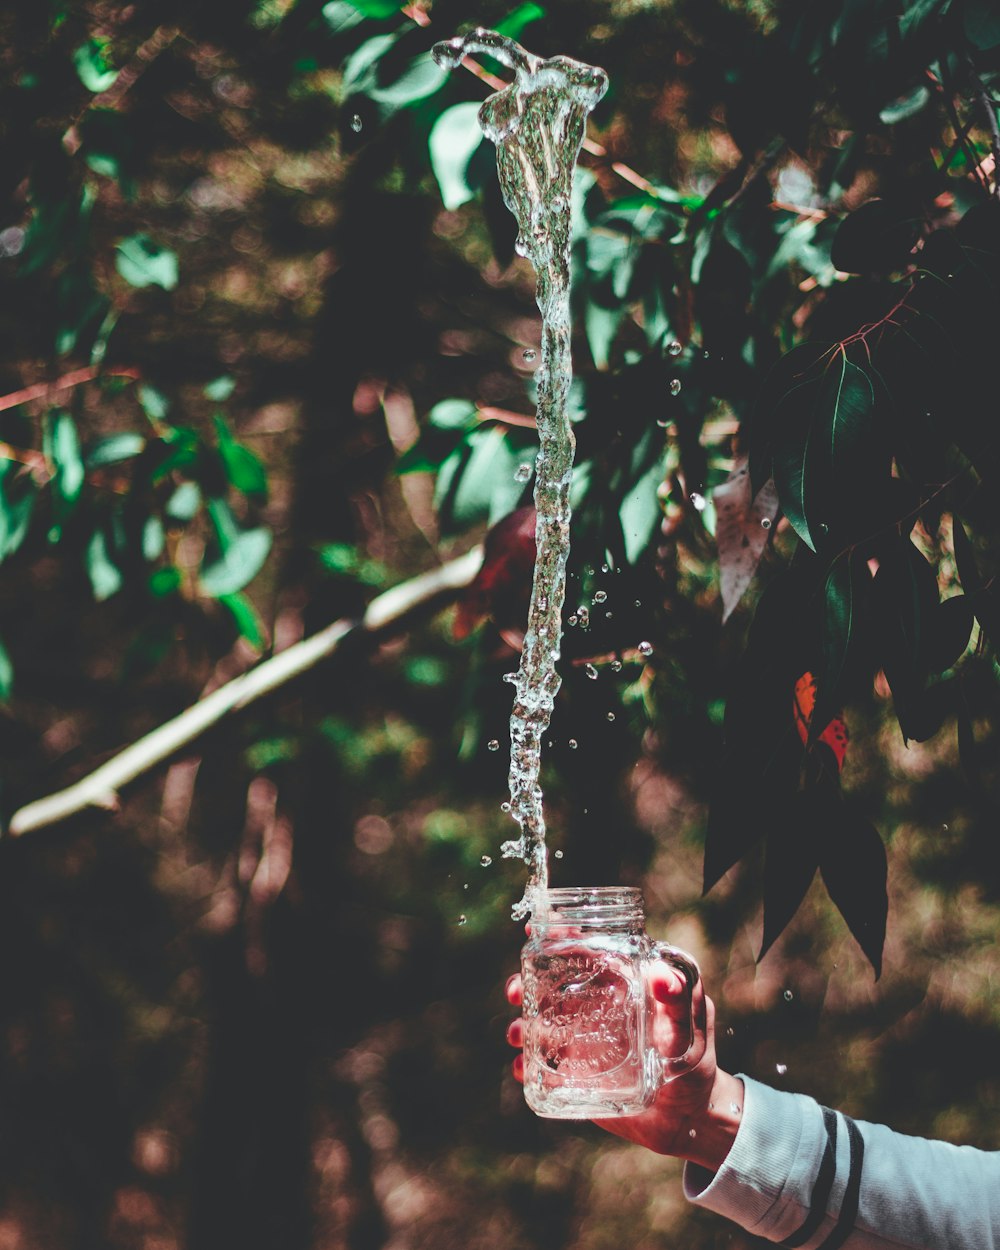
674 1066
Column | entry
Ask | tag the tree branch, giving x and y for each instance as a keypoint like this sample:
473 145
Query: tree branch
391 610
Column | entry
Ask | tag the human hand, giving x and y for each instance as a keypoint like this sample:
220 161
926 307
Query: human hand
694 1116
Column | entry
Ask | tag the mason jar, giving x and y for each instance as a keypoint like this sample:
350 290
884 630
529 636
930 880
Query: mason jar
588 1010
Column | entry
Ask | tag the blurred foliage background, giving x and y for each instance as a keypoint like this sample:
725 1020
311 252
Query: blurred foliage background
266 354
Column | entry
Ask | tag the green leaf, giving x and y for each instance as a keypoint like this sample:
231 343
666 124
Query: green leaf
184 502
791 860
62 450
846 393
346 561
220 389
165 582
601 326
359 70
113 449
454 414
639 512
142 263
845 596
905 106
243 555
247 618
514 23
92 66
793 456
376 8
243 469
917 13
454 138
981 22
17 500
854 869
153 539
341 16
420 79
476 482
105 576
153 403
6 673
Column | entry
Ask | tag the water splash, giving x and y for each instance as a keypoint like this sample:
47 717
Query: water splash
537 124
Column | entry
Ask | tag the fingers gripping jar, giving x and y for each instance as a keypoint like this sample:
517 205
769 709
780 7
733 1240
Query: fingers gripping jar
588 1011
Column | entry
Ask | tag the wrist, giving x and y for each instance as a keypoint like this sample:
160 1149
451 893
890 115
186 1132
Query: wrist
711 1133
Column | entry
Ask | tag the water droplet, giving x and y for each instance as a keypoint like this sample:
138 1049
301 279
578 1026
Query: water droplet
706 355
511 678
638 603
674 348
616 666
486 860
697 501
600 596
730 1031
559 854
466 886
356 123
522 473
675 386
528 355
824 528
611 716
462 919
608 615
493 745
788 996
781 1068
765 522
692 1132
505 806
584 615
572 744
645 648
605 569
735 1108
591 672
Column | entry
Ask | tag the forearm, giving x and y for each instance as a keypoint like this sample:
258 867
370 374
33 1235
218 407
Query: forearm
799 1173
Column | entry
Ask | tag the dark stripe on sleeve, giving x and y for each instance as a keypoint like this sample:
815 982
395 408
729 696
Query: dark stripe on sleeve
821 1188
852 1194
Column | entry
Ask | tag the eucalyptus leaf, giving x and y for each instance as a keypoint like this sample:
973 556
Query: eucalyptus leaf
247 619
242 559
93 70
6 673
105 577
142 263
454 138
113 449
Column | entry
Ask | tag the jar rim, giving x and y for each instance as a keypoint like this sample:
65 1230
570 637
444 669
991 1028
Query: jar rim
597 893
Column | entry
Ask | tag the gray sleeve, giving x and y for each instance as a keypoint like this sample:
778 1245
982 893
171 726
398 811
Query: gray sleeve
802 1175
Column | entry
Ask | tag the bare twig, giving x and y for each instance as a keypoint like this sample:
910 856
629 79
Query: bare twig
42 390
391 610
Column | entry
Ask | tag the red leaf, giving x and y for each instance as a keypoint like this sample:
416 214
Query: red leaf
502 587
742 527
835 735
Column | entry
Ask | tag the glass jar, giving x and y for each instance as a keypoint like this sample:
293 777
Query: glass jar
588 1011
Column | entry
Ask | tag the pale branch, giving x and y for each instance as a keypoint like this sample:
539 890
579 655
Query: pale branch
392 610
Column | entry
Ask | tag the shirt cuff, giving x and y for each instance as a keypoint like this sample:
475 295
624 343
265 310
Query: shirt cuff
777 1133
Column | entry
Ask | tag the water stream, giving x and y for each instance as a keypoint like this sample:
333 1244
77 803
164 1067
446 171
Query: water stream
537 124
